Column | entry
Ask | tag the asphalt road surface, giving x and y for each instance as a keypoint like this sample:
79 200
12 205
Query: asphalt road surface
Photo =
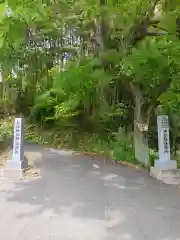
78 198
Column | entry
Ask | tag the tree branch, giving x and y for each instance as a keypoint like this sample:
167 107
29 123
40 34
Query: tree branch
32 37
151 10
163 29
139 30
152 22
155 34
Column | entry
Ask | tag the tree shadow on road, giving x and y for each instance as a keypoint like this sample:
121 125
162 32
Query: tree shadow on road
75 199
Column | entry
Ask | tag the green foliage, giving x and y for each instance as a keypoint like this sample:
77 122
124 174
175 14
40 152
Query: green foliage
153 156
6 129
110 147
122 148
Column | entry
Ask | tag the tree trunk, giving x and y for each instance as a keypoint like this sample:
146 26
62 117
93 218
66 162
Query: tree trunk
140 138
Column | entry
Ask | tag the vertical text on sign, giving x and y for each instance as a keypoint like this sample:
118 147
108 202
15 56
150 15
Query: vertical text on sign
17 136
166 150
165 128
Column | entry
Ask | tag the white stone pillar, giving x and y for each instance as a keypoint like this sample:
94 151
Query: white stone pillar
164 162
18 146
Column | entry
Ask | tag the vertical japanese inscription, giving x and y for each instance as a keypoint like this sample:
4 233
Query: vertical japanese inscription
17 137
165 127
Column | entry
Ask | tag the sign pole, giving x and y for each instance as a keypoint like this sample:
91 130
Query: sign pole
18 146
164 162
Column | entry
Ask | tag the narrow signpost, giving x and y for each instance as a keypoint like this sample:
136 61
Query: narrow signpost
16 164
164 162
164 168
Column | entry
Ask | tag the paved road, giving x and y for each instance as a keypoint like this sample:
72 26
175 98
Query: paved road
77 198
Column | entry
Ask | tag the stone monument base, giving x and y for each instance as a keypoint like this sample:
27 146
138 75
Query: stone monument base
13 174
17 165
167 176
13 170
165 165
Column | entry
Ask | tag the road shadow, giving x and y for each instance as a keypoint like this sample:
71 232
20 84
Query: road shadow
84 199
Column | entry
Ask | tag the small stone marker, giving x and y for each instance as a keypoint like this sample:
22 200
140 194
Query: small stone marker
18 146
164 168
164 162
